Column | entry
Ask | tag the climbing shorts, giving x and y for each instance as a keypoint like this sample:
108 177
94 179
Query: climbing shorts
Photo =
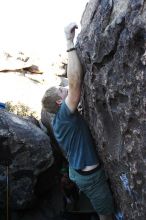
96 188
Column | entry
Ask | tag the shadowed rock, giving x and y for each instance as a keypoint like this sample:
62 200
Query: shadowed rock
30 154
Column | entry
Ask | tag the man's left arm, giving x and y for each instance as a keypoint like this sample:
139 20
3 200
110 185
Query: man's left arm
74 70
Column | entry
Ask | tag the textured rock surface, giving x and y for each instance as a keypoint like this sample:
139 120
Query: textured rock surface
30 152
111 47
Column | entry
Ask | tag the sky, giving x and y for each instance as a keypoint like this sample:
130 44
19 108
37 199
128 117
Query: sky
37 26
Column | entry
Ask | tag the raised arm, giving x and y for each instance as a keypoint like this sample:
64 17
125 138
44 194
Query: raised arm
74 70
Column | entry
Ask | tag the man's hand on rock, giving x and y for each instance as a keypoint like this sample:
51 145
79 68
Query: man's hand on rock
70 31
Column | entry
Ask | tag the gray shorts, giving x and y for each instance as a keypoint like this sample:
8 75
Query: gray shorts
96 188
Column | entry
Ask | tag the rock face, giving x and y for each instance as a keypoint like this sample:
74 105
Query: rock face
27 151
111 47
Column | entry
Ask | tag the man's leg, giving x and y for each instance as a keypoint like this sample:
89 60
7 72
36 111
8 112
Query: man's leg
106 217
97 190
100 195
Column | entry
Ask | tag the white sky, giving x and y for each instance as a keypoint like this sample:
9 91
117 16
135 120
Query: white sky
37 26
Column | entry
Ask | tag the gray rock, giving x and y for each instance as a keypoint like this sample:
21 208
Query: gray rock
63 82
46 120
29 152
111 46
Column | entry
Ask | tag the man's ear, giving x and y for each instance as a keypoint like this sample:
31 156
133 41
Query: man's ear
59 102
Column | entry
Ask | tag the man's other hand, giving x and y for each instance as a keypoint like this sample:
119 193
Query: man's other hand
70 31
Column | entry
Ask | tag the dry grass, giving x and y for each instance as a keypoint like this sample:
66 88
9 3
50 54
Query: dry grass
20 109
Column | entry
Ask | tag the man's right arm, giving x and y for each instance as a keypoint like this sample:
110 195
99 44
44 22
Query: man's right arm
74 70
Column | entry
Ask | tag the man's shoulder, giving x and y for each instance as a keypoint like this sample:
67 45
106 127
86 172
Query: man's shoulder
64 116
64 111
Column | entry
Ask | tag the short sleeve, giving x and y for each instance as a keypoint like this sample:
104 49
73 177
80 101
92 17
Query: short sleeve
64 113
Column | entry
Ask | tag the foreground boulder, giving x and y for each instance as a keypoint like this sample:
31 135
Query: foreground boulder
111 47
27 151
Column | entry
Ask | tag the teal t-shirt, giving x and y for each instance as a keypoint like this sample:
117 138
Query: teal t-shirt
74 138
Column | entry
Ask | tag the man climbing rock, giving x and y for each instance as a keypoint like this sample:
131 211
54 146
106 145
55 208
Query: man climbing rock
74 137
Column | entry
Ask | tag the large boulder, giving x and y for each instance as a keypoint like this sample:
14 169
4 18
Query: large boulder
111 47
26 150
